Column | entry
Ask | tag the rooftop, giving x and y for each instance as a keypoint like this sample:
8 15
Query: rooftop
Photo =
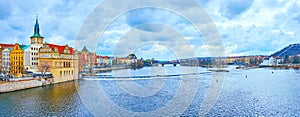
61 48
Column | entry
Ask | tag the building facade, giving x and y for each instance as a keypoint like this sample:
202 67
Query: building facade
36 42
27 52
130 59
110 61
2 47
6 61
17 60
87 59
103 61
61 61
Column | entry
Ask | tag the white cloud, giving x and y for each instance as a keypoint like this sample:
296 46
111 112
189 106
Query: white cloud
258 27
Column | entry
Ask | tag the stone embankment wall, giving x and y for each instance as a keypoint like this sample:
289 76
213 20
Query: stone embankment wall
19 85
26 84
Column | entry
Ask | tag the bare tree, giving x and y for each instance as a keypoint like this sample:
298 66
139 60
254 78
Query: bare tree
44 68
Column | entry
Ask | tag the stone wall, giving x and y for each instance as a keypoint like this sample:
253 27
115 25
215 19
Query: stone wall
19 85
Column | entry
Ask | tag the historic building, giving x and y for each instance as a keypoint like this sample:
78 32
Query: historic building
61 61
2 47
122 61
230 60
103 62
17 59
129 60
87 59
6 60
36 41
27 52
110 61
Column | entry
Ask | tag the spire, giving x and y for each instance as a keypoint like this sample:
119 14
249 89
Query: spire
37 28
84 49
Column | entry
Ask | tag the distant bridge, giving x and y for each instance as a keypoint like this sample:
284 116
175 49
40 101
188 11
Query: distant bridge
163 63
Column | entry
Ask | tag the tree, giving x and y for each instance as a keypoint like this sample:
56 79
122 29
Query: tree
44 68
296 59
286 59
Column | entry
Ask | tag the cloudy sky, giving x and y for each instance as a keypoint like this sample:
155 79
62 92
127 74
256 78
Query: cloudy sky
246 27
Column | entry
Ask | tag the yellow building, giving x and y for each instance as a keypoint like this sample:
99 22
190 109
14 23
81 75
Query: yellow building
247 59
230 60
61 61
17 61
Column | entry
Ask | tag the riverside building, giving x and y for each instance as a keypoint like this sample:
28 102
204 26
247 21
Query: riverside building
61 61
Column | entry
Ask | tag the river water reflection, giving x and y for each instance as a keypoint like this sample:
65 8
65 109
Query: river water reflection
264 92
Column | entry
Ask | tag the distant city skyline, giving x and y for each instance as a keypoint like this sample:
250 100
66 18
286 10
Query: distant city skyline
249 27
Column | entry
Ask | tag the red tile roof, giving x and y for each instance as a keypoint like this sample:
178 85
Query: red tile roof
104 57
6 45
61 48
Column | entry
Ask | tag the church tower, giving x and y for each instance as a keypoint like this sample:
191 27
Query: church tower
36 42
36 38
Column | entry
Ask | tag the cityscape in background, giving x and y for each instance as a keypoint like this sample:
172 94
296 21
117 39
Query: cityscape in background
41 59
150 58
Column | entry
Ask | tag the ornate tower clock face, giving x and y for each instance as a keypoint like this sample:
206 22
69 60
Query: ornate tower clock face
39 40
32 40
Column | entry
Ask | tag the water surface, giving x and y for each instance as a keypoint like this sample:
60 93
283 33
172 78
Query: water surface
254 92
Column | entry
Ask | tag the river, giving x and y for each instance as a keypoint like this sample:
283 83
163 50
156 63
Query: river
155 91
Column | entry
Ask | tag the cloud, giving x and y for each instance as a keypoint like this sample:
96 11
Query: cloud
247 27
166 42
60 40
5 10
55 17
234 8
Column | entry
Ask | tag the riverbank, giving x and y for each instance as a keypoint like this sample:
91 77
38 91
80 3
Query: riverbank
283 66
15 85
9 86
101 70
112 68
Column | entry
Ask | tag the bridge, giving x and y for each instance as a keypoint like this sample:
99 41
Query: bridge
163 63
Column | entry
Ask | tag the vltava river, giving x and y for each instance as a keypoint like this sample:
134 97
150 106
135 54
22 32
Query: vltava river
164 91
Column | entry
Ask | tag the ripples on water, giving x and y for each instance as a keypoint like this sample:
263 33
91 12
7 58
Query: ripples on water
262 93
56 100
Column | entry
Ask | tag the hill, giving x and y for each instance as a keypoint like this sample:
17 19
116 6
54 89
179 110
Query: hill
291 50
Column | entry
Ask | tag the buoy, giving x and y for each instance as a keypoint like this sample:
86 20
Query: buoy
272 72
246 76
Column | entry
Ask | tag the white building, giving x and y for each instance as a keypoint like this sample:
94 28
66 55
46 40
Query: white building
6 59
27 52
270 61
36 42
